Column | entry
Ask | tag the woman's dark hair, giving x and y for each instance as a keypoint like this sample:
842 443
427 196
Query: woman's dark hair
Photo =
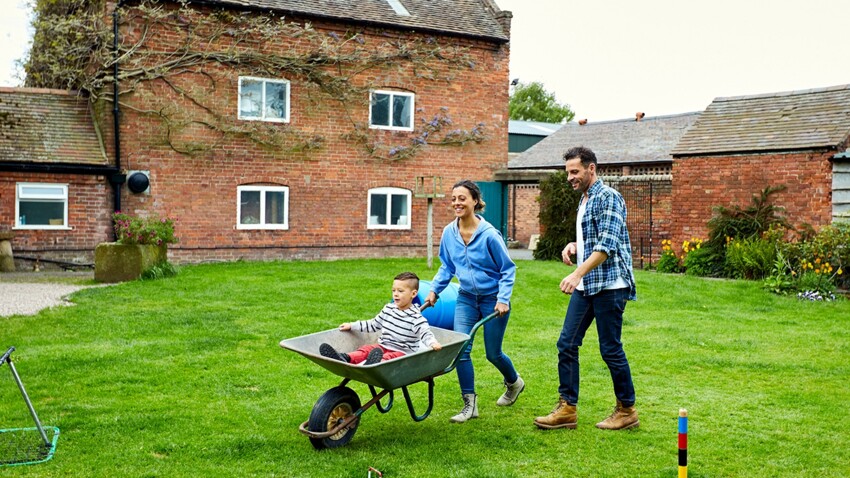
474 191
586 156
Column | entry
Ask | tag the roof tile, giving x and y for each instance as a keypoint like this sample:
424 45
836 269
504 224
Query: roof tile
47 126
614 142
475 18
790 120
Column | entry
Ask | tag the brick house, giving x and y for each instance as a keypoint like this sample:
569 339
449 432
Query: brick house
54 193
634 157
303 143
741 145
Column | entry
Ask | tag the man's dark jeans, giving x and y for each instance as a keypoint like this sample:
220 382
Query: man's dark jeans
607 307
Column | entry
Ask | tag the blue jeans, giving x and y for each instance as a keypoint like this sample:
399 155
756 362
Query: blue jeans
607 307
469 310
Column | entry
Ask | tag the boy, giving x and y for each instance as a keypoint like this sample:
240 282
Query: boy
400 322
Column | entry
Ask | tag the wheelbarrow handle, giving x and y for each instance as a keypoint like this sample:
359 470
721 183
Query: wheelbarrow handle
6 355
475 328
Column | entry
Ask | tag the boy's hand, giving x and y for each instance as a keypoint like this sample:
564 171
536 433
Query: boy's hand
436 346
345 327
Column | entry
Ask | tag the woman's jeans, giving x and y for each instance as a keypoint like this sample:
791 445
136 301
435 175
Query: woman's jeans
607 307
469 310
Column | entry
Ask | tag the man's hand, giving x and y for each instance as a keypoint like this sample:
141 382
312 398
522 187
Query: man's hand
568 251
502 309
569 283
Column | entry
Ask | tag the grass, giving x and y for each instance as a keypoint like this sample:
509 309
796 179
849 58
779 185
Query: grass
183 377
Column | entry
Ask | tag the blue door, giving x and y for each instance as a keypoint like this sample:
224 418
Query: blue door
496 212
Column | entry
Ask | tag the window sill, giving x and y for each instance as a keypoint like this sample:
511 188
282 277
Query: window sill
42 228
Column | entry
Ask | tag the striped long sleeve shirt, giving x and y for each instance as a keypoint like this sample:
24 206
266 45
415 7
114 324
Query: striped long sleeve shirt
401 330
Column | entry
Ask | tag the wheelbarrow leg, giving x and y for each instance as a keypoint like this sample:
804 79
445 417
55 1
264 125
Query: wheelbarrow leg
378 405
413 415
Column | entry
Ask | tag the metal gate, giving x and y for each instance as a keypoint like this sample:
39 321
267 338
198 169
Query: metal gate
648 202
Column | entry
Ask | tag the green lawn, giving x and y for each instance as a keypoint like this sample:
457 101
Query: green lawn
184 377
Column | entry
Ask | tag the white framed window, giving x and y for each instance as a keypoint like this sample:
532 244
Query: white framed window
41 206
262 207
391 110
262 99
389 208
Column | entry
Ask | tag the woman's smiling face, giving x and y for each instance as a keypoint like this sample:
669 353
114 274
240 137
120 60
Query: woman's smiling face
462 202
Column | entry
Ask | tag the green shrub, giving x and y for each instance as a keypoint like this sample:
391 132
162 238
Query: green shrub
558 208
743 223
752 258
160 271
700 262
669 261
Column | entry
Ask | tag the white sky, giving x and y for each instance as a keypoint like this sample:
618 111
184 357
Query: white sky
611 58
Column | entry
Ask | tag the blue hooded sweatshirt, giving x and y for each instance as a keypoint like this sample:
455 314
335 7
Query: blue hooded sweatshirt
482 267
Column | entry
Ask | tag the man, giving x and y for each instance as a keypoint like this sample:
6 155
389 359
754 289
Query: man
599 288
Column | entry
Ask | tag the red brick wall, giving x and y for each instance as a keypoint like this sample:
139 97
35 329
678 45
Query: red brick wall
328 186
89 208
700 183
523 211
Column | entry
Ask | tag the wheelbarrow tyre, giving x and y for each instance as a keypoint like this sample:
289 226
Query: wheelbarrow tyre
333 407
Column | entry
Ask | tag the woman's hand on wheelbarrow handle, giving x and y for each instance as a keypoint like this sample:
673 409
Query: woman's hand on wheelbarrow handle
430 300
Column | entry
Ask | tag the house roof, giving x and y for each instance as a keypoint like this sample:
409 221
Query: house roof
474 18
47 126
614 142
793 120
532 128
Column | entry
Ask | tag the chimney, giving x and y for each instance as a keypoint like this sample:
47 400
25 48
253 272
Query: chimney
639 115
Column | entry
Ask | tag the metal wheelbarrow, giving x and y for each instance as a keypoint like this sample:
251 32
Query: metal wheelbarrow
336 415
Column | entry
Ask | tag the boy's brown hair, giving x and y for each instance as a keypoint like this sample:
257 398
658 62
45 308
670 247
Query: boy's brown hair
411 278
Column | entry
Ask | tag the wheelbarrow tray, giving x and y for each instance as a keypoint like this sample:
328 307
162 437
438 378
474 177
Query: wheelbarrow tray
389 374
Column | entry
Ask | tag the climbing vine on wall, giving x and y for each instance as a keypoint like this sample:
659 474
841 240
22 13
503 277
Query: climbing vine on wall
169 50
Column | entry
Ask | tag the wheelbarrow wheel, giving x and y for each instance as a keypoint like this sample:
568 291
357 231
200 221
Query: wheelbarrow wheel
331 409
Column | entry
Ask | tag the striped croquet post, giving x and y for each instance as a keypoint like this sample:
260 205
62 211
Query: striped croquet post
683 443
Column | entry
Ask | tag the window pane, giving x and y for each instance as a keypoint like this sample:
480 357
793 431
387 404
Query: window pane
43 191
274 207
401 111
250 98
249 204
378 210
380 109
399 210
42 213
276 100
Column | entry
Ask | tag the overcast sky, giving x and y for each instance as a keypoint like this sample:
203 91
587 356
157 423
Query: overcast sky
609 59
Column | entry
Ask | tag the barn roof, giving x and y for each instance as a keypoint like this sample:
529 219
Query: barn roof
473 18
47 126
614 142
532 128
793 120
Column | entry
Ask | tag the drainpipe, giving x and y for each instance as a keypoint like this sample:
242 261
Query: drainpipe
118 178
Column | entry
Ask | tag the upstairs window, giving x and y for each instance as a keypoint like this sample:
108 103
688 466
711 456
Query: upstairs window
391 110
263 100
262 207
41 206
389 208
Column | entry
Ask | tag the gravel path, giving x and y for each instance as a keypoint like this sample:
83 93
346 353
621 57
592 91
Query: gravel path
26 293
27 298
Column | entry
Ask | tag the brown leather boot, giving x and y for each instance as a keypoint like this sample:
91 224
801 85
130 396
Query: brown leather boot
563 416
621 419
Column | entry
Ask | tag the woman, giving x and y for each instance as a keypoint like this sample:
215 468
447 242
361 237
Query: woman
473 250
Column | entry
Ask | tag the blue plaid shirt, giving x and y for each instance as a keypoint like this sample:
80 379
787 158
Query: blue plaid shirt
604 229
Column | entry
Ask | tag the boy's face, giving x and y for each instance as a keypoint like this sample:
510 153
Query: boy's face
403 293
